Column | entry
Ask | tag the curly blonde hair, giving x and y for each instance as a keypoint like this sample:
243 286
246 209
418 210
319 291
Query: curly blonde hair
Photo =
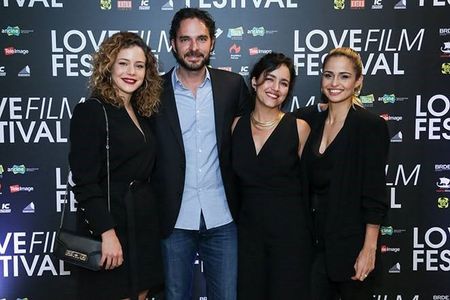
146 97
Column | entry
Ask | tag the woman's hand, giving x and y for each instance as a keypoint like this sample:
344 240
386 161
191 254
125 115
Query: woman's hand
112 256
365 263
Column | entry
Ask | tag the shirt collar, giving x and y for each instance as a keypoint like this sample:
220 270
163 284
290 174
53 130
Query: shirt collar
178 82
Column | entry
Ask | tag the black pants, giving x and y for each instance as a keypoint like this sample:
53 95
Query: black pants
323 288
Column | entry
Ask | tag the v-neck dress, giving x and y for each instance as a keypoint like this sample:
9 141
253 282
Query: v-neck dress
274 241
132 156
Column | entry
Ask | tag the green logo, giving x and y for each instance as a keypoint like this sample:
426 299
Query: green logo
18 169
12 30
388 98
105 4
445 68
367 99
257 31
386 230
339 4
442 202
1 169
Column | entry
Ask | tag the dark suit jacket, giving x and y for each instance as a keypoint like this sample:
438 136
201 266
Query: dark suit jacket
230 96
357 193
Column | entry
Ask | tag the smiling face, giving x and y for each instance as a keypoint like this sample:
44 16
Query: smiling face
339 79
128 71
192 44
272 87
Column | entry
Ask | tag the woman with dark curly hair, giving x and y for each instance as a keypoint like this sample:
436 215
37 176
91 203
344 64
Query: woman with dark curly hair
115 201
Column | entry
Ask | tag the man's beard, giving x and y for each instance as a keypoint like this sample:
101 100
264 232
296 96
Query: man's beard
189 66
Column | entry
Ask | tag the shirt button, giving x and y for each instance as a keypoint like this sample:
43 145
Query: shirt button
200 150
200 170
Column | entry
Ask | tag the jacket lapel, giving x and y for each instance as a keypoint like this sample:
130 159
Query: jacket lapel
169 107
219 98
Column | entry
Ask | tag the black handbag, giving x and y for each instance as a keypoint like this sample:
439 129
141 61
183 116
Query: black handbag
75 248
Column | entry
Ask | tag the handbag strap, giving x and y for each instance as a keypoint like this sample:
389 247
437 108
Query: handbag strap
107 169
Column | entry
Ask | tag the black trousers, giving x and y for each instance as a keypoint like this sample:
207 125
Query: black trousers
323 288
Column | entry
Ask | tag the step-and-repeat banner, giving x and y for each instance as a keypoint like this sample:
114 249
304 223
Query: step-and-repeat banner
45 59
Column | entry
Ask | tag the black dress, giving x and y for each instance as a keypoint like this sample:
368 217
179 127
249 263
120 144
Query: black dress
274 240
132 156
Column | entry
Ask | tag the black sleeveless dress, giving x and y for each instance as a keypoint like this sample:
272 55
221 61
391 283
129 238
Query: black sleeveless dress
274 239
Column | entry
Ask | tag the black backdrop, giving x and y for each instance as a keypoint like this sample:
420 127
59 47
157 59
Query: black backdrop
46 52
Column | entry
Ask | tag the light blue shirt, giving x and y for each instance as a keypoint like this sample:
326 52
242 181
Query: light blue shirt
203 188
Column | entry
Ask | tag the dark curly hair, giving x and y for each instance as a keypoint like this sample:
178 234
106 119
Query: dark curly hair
146 97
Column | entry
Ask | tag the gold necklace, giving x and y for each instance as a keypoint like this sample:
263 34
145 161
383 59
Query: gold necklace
265 124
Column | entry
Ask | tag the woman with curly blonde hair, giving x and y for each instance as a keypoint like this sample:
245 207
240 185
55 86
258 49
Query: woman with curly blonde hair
115 201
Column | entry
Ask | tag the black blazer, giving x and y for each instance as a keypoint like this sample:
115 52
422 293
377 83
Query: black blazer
357 194
230 96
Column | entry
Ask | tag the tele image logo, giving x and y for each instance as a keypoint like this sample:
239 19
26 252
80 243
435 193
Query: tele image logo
385 249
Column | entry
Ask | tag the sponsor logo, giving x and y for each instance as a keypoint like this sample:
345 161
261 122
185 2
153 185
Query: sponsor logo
2 71
234 51
1 169
235 33
15 31
145 5
385 249
339 4
444 31
255 51
386 230
11 51
5 208
441 297
395 268
124 4
218 32
442 167
229 69
445 68
244 71
21 169
442 202
17 188
388 117
389 230
377 4
25 72
367 100
445 49
29 209
357 4
398 138
387 98
168 5
105 4
443 183
260 31
400 4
